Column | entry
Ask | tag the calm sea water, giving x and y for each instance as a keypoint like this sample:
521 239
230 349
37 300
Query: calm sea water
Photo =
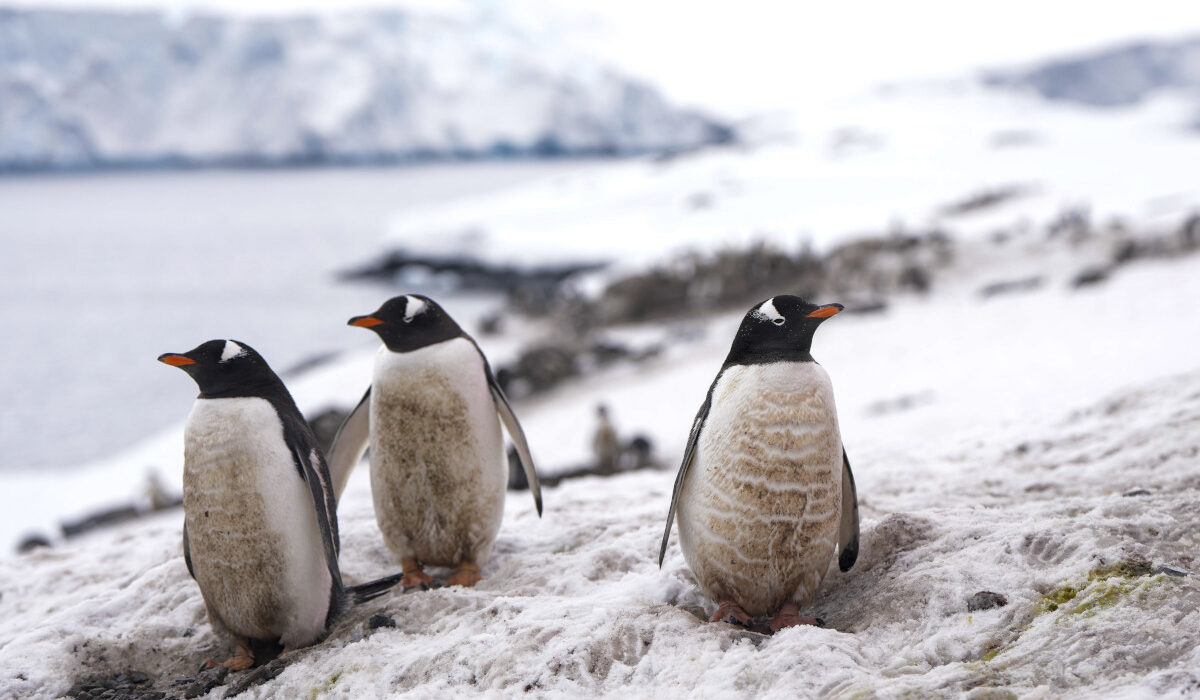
99 274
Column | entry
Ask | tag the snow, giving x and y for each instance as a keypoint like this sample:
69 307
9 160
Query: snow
884 159
1040 411
83 89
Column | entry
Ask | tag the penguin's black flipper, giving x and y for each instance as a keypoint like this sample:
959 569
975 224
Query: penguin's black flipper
848 528
513 426
689 454
349 444
312 466
187 552
371 590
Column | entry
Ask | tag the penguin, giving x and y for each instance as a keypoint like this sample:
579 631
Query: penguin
438 466
260 533
606 447
765 494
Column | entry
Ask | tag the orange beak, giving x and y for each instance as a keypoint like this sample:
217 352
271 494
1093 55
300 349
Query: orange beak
176 360
365 321
825 311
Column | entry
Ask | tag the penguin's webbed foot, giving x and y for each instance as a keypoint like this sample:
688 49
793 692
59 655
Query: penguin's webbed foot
466 575
731 612
414 576
417 579
789 616
240 661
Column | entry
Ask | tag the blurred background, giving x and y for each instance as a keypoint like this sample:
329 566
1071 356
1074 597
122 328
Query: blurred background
585 185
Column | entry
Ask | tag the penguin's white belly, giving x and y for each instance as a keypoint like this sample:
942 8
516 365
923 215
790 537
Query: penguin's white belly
255 545
438 467
758 513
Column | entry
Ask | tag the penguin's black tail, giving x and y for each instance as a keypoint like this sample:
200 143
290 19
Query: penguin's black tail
370 590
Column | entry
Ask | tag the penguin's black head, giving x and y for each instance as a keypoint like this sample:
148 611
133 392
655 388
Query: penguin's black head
223 368
779 329
410 322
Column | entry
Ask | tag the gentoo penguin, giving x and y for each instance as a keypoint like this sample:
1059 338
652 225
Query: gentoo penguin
606 447
438 466
765 494
260 532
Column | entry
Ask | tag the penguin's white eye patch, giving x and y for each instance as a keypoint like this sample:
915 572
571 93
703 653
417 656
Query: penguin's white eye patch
768 312
413 307
231 351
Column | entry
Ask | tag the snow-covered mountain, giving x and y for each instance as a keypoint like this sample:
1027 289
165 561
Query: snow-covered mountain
1112 77
81 89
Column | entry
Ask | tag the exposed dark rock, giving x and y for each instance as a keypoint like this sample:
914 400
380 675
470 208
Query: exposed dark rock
104 518
1172 571
202 683
325 426
128 685
695 283
1074 223
1089 276
1128 251
983 200
491 324
538 369
1025 284
869 268
636 454
535 287
1136 492
258 676
29 543
986 600
1189 233
380 620
542 367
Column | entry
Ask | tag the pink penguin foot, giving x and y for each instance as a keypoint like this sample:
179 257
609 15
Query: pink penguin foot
789 616
731 612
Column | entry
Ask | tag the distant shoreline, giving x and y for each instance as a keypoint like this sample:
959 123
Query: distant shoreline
323 162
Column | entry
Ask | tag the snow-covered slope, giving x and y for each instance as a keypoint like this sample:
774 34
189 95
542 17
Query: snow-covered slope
1051 458
82 89
896 159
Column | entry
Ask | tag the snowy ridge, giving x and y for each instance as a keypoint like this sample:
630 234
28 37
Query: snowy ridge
1118 76
81 89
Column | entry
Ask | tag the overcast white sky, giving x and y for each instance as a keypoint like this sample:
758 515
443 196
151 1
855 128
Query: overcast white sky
755 54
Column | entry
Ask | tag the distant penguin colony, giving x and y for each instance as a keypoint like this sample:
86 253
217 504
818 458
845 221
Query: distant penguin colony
764 495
